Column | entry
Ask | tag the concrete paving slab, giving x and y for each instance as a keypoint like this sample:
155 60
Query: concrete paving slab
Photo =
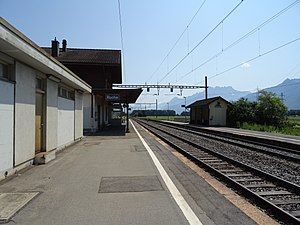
129 184
11 203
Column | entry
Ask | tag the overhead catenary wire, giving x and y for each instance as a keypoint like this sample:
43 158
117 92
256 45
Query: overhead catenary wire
122 40
176 42
254 58
200 42
237 41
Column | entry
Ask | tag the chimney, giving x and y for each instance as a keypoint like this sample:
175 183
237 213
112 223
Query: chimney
64 45
54 48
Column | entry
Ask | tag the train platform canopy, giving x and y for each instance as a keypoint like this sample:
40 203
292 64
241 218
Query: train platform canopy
119 95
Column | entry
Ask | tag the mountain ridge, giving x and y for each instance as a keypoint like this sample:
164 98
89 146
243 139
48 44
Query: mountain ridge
289 89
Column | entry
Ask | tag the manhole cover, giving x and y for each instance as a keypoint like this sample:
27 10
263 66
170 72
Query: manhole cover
11 203
129 184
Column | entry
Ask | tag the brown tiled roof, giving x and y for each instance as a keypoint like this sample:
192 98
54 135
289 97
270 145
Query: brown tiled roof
81 55
206 101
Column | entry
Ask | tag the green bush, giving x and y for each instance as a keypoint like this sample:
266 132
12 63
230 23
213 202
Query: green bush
240 112
268 110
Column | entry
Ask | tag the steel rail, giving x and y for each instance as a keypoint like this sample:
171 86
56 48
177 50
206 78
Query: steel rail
263 202
226 139
249 139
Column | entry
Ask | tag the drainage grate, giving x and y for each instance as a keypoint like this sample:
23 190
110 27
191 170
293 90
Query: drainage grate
129 184
11 203
90 143
138 148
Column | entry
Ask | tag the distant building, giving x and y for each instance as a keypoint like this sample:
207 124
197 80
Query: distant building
209 112
41 102
100 68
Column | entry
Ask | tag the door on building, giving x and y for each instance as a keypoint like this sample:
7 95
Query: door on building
38 123
219 117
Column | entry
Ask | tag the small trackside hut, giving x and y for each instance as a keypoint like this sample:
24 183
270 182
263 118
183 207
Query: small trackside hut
209 112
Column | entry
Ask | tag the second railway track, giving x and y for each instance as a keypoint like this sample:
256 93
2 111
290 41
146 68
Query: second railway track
281 152
277 195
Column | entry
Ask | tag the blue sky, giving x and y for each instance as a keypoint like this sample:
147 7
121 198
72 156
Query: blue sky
150 28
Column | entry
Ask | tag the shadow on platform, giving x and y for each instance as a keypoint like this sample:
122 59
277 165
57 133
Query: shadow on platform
109 131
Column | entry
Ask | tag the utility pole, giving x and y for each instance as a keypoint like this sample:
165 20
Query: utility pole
282 96
156 108
205 87
127 118
168 111
184 109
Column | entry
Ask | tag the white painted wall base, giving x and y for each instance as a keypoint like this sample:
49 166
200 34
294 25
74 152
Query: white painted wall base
66 124
25 113
13 171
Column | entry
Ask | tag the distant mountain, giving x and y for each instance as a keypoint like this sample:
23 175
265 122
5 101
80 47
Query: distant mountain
289 90
228 93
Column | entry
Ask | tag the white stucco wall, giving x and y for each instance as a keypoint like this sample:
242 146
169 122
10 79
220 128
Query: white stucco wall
25 113
87 111
89 123
78 115
51 115
65 121
6 125
217 115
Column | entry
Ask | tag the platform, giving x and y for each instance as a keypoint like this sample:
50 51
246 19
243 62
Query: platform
112 178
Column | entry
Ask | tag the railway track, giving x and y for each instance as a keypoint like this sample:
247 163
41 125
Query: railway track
274 150
279 197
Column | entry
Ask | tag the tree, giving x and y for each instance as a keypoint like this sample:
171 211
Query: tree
270 110
184 113
241 111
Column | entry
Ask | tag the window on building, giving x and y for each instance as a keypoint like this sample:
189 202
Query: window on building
4 71
39 84
218 105
71 95
64 93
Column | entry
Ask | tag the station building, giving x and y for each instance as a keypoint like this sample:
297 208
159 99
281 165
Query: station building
209 112
100 68
41 102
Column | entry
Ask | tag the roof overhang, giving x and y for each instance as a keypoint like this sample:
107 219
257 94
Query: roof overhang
206 102
16 45
126 95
